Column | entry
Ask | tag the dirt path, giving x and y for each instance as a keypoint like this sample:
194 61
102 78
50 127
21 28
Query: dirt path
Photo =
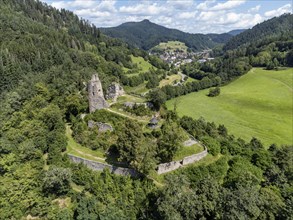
69 136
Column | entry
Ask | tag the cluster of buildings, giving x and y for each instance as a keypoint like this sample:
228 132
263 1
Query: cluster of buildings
179 57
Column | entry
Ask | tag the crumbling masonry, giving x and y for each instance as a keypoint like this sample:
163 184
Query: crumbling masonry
96 95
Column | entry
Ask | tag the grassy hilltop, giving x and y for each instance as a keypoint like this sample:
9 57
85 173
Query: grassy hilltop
257 104
171 46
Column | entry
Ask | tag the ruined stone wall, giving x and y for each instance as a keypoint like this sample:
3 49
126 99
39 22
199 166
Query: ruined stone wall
101 166
103 127
114 91
174 165
96 95
162 168
193 158
167 167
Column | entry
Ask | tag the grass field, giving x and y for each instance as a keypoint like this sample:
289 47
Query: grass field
257 104
143 66
140 89
169 80
171 46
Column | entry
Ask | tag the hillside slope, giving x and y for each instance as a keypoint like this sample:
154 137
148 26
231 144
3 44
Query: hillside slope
146 35
47 57
277 27
236 32
258 104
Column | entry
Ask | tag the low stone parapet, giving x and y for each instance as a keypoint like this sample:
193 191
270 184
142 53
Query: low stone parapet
174 165
94 165
193 158
162 168
167 167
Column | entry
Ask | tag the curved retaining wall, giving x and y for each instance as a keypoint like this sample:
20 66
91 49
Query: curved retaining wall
94 165
174 165
162 168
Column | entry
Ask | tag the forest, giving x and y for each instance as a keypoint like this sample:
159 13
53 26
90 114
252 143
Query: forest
46 55
145 35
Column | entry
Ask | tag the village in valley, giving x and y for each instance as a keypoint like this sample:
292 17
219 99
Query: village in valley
176 53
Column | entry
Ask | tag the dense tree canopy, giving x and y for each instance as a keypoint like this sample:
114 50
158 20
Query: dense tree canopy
46 55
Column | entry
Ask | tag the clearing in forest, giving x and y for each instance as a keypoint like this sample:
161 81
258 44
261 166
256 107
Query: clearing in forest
171 46
258 104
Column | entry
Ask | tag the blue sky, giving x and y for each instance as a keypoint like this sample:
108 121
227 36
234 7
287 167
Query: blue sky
193 16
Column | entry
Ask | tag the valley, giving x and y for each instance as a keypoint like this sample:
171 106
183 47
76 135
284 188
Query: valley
170 115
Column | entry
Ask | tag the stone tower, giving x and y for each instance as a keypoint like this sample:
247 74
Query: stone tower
96 95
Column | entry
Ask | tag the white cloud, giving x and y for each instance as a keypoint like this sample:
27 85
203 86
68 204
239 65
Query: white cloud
228 5
205 5
187 15
82 3
60 4
103 9
248 21
210 16
284 9
180 5
92 13
74 4
254 9
226 20
107 5
144 9
162 20
192 16
239 20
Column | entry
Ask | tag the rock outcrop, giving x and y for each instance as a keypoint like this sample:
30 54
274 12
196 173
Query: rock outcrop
96 95
114 91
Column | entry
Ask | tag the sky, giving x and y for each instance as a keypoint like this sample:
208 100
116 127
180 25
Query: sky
192 16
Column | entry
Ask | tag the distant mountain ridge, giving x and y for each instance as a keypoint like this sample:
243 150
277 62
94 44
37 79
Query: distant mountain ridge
236 32
145 35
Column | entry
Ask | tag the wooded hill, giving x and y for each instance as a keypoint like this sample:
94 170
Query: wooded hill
46 56
41 37
236 32
272 29
146 35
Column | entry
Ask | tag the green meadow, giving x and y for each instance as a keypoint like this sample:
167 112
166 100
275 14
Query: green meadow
169 80
258 104
142 65
171 46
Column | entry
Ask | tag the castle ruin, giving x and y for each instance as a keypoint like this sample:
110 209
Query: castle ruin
96 95
114 91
